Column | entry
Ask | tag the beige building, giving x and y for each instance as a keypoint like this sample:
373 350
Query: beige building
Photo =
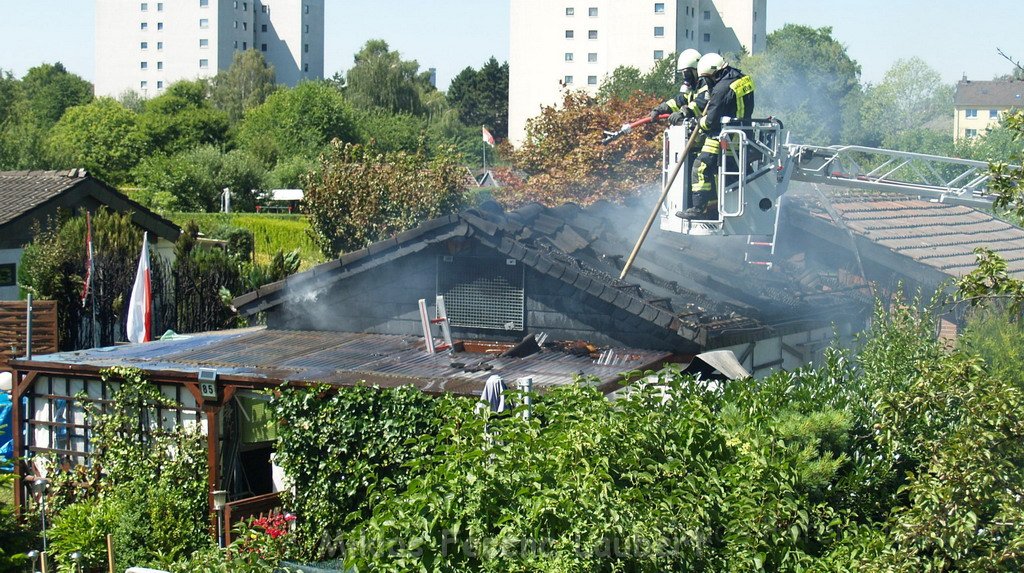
146 46
576 44
978 106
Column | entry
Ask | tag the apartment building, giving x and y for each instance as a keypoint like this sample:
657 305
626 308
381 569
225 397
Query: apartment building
145 46
576 43
980 105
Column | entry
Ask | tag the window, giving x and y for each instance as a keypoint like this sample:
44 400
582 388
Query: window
592 34
144 65
245 46
204 23
592 12
659 31
159 25
993 113
236 4
159 65
568 80
570 11
159 6
707 37
263 28
143 84
592 57
971 113
8 274
659 7
144 26
160 85
245 25
245 6
305 8
755 15
144 45
204 3
204 43
971 132
305 67
159 45
659 54
307 28
707 14
263 47
144 6
203 64
591 80
263 8
687 32
236 44
305 48
568 56
236 24
569 34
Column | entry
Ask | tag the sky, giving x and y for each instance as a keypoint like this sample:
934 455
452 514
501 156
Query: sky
952 36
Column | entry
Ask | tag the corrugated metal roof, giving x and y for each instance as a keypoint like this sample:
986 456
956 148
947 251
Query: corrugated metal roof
939 235
994 94
343 358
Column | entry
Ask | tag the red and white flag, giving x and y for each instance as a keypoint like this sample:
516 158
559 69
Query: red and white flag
140 307
488 138
88 260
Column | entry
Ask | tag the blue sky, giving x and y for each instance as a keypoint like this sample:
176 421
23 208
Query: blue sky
953 36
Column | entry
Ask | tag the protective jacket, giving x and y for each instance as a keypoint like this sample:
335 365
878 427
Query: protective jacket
732 96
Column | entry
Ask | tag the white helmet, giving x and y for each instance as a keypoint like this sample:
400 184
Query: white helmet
688 59
709 64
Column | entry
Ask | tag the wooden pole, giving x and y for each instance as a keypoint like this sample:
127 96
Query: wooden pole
657 206
110 553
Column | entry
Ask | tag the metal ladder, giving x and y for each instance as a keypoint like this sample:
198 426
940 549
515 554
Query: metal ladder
441 320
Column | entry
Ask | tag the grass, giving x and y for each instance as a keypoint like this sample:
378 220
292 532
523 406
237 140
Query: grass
270 231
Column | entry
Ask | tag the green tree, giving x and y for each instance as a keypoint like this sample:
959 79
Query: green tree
910 96
181 119
358 195
625 81
247 83
381 78
481 97
297 122
193 180
806 79
101 136
51 90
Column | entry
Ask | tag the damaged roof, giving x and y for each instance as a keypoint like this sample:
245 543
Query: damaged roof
259 357
698 288
937 235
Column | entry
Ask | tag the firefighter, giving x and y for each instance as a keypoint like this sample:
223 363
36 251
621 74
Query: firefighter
731 95
684 104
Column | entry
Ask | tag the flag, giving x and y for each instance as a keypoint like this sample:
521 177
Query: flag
140 307
488 138
88 260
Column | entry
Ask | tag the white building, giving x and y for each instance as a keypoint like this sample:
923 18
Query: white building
146 46
576 43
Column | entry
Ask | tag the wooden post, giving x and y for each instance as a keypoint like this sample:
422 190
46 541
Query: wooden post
110 553
211 462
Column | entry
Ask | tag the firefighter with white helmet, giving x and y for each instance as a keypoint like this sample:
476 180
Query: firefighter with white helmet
731 95
692 96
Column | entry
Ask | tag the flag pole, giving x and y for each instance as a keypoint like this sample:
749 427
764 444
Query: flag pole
483 147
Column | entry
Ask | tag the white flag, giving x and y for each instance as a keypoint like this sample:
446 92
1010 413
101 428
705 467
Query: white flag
140 307
488 138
